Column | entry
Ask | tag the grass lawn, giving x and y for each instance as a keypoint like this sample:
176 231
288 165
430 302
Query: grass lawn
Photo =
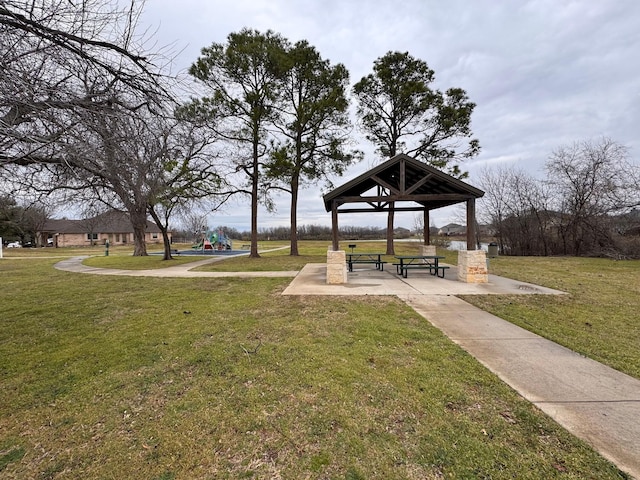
598 319
161 378
310 252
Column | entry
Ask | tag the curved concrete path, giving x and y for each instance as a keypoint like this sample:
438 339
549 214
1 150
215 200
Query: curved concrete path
592 401
74 264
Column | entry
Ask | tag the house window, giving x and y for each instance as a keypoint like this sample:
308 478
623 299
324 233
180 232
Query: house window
117 238
92 236
154 236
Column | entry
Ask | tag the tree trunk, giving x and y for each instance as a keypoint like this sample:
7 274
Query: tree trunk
254 204
167 244
294 216
390 250
139 223
165 234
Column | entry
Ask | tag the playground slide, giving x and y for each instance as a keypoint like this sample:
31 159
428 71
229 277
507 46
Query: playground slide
212 239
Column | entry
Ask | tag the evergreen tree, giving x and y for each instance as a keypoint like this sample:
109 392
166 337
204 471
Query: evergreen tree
400 112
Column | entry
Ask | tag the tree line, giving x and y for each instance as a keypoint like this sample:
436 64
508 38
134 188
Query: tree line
587 204
88 116
305 232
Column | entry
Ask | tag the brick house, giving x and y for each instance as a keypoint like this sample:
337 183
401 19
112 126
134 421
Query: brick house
113 226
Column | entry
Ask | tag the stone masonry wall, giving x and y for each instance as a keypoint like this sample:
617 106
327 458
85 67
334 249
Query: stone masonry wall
472 266
428 250
336 267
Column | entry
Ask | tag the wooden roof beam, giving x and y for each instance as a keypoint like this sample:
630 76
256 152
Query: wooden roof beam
418 184
368 210
384 184
406 198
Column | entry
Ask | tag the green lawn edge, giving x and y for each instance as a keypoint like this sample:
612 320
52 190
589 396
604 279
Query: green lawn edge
225 378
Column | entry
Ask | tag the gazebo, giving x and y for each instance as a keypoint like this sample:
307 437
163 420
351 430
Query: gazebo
403 184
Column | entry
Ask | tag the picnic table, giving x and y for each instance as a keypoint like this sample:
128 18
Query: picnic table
373 258
427 262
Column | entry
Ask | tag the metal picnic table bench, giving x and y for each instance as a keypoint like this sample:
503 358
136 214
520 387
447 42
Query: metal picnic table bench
426 262
373 258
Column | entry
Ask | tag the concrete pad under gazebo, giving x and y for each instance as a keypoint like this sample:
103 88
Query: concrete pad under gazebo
417 187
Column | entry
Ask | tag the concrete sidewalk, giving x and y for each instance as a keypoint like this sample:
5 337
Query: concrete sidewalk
592 401
368 281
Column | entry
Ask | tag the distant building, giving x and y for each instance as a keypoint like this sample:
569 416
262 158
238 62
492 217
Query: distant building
452 229
113 226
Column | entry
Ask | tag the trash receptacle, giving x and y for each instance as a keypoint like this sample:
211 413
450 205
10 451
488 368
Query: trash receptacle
493 250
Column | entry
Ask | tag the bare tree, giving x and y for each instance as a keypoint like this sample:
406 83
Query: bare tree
62 58
132 161
418 225
583 207
592 180
516 206
188 177
495 202
194 222
93 217
81 109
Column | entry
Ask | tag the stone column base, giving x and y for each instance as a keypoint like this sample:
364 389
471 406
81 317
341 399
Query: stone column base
472 266
428 250
336 267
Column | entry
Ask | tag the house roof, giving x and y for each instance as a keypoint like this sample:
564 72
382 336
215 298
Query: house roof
109 222
453 226
401 179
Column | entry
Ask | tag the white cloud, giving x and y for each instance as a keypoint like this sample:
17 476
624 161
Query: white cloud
543 73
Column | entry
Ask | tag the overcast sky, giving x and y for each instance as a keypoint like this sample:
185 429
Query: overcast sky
542 73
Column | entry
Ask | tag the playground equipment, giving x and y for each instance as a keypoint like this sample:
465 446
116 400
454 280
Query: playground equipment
214 241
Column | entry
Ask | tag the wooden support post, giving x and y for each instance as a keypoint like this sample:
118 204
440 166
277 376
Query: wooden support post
334 225
471 224
427 227
390 220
